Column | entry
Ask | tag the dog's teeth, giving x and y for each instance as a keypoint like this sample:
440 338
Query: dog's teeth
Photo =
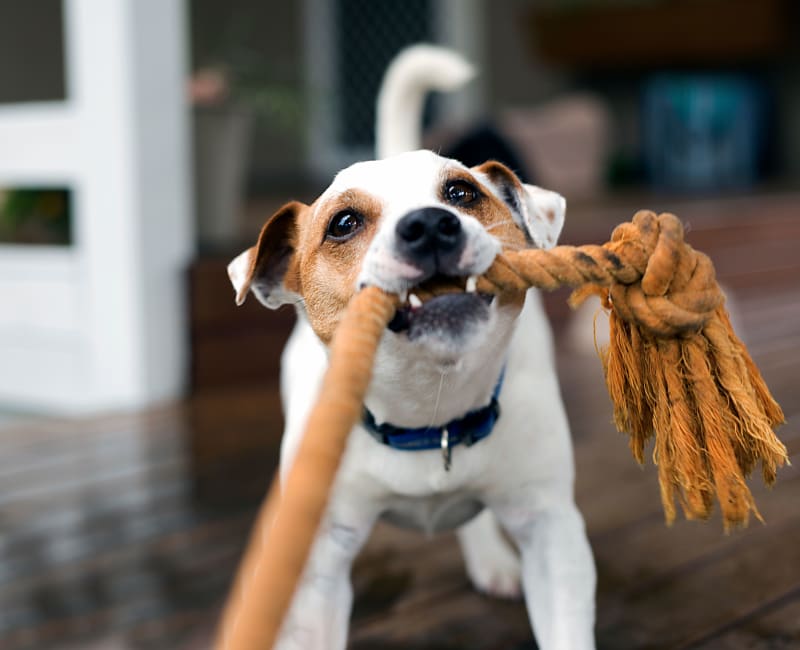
414 301
403 295
472 284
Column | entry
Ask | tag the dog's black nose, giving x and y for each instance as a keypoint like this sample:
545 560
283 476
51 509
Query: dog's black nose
429 232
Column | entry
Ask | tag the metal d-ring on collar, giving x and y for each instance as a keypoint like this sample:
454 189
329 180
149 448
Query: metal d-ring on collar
468 429
447 450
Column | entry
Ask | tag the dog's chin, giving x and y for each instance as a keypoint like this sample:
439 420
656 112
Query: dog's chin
445 325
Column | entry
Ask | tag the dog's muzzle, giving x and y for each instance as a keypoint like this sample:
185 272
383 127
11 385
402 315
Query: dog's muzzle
432 239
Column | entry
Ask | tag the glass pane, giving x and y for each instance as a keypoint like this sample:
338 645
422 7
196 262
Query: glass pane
31 51
36 215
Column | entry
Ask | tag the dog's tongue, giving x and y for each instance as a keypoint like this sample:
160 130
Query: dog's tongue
447 304
450 313
424 293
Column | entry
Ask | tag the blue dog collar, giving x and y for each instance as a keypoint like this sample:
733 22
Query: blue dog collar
469 429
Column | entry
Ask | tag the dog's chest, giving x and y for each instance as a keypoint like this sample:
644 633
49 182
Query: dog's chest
434 513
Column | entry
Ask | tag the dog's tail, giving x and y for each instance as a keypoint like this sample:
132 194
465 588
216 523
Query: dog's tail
415 72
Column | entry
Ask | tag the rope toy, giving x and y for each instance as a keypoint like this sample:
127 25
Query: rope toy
675 371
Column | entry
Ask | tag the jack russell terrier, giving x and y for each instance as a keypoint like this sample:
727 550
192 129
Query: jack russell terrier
464 425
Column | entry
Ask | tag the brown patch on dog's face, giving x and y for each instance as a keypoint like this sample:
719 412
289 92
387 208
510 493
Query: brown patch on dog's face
495 214
328 267
486 207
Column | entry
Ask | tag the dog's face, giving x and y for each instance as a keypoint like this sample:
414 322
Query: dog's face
418 225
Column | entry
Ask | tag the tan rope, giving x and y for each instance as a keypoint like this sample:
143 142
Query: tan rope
674 368
675 371
285 528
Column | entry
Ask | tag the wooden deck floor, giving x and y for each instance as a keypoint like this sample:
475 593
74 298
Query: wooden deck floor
124 531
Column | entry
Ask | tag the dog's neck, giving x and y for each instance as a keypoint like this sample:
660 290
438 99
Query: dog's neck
411 389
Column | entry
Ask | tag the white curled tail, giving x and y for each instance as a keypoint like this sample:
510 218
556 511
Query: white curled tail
413 73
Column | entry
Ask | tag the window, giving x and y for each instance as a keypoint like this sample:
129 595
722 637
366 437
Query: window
32 51
35 215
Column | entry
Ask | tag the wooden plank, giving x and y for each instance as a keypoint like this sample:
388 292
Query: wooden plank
457 620
194 535
777 625
650 551
686 606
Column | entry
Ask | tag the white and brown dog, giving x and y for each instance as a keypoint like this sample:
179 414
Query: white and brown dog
464 425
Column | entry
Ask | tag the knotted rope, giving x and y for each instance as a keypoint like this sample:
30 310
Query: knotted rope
675 371
674 367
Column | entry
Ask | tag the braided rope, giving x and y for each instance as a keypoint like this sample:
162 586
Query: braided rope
675 371
656 280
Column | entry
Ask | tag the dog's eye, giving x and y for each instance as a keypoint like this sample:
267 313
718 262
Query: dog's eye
461 192
344 225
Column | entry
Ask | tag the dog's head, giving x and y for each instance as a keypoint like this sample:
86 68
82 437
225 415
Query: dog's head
412 224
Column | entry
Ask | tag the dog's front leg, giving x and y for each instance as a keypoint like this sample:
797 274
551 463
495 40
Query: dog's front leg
558 573
320 612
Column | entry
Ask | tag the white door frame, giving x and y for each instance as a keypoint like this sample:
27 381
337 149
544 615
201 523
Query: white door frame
101 324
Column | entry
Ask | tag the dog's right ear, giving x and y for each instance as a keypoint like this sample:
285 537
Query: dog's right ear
538 212
267 267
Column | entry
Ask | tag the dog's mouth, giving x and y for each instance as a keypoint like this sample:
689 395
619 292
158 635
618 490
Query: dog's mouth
441 303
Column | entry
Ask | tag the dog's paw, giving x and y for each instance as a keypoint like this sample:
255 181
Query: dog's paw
496 572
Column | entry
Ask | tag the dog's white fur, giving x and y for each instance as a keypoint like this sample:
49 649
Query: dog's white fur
522 473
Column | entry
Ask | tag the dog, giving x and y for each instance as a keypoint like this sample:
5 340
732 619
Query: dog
464 426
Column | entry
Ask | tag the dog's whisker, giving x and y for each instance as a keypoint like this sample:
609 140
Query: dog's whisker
492 226
438 399
510 245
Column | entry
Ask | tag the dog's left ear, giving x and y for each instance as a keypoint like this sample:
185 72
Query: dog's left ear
266 269
540 213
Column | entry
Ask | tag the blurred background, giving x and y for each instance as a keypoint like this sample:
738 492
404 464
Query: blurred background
142 145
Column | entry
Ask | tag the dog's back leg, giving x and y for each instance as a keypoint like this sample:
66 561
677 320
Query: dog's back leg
492 564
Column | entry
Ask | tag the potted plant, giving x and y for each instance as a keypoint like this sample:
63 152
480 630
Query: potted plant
229 101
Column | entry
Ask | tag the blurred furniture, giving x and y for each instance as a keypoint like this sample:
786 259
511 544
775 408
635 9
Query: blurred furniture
221 141
231 346
564 143
660 32
703 131
236 416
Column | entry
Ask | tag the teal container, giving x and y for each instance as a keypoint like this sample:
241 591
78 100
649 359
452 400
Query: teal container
703 132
